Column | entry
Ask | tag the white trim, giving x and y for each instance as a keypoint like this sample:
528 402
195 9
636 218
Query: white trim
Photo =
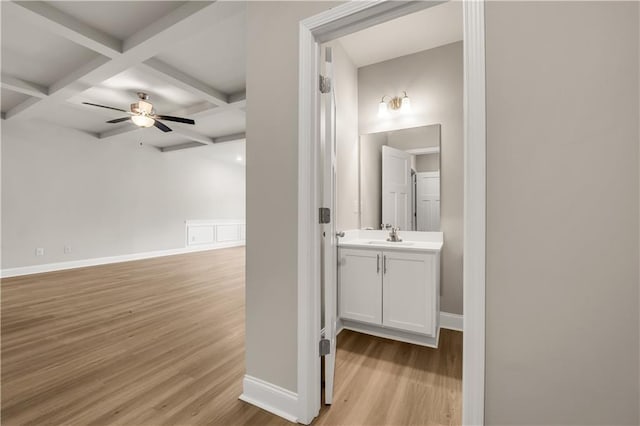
83 263
308 373
451 321
392 333
474 251
421 151
269 397
341 20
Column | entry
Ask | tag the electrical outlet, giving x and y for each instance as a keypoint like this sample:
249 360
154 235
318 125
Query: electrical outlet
67 250
39 251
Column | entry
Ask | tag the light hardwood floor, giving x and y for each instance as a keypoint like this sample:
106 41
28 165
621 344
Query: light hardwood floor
161 342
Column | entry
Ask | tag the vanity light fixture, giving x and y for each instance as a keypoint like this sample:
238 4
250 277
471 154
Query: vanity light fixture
396 103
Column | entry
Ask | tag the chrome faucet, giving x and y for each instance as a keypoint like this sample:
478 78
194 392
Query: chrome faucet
386 226
393 235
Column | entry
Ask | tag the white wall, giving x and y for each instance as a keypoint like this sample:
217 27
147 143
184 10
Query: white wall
371 179
428 163
562 320
347 167
433 81
562 213
272 188
63 187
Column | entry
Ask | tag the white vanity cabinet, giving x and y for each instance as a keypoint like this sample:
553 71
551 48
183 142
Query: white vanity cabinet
390 290
409 291
360 283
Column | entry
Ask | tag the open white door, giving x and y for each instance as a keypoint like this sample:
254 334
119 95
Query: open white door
396 188
329 240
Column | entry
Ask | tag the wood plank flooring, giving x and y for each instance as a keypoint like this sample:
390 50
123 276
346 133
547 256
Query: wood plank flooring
385 382
161 342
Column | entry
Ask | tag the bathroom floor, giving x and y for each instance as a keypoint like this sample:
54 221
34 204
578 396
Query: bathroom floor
385 382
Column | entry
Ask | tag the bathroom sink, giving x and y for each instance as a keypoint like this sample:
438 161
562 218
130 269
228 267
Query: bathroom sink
391 243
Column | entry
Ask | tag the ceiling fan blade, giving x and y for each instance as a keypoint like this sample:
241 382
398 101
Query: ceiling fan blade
177 119
161 126
104 106
119 120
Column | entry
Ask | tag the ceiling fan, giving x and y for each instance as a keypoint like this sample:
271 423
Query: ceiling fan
143 115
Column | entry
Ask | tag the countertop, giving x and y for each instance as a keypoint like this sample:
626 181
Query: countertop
405 245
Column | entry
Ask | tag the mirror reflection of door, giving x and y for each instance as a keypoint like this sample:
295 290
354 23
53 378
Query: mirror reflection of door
428 201
396 188
400 179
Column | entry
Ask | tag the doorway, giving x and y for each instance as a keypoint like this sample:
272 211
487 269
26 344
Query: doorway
327 26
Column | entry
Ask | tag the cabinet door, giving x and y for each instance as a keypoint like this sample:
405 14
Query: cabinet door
409 291
360 283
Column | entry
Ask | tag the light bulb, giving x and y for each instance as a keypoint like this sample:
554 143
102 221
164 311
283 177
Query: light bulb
405 106
382 109
142 120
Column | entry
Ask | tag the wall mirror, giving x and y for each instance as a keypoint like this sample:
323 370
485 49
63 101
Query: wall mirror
400 179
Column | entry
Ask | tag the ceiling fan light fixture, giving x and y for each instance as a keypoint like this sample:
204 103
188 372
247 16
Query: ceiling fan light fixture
143 114
142 120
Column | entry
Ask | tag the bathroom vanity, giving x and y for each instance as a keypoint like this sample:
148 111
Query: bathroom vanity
390 289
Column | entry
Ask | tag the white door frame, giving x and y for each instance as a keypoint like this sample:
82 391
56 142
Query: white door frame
342 20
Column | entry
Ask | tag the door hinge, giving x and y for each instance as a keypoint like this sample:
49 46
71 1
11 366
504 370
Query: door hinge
325 84
325 347
325 215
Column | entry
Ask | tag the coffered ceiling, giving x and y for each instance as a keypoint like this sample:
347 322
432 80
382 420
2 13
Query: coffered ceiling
188 56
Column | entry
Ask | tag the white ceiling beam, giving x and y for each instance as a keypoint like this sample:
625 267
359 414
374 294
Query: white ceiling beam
185 82
57 22
192 15
205 109
192 135
221 139
238 97
185 21
61 90
180 146
230 138
21 86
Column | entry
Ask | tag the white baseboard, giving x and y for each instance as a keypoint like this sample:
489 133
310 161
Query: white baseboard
393 334
60 266
447 320
269 397
451 321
